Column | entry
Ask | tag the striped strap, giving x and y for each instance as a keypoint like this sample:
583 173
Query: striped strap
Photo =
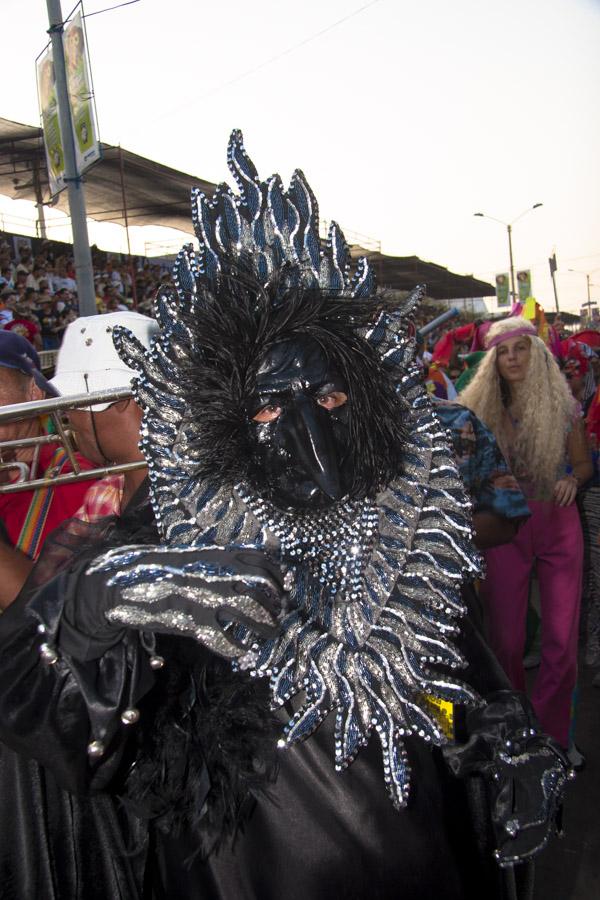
31 533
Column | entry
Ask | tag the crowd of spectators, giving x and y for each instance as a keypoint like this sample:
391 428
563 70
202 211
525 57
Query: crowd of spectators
38 289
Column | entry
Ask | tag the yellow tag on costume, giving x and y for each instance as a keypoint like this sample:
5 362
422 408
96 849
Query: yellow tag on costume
443 712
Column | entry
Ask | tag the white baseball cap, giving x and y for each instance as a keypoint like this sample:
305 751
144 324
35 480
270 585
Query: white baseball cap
87 359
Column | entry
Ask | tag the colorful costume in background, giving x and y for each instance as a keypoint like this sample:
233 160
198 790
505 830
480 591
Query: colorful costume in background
482 467
472 360
288 438
439 382
577 358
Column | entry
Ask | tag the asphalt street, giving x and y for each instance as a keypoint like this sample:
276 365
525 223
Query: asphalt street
569 868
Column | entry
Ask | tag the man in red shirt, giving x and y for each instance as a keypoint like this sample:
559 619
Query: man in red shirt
24 324
28 517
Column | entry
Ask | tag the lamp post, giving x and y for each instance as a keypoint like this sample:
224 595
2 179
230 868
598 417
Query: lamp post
508 226
588 275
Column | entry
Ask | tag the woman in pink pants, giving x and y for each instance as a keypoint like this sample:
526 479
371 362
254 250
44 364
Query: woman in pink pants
521 395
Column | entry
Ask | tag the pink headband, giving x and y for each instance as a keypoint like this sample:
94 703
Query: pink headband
516 332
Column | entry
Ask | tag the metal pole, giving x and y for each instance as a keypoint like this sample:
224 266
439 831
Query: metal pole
124 196
512 267
555 292
41 220
84 272
588 305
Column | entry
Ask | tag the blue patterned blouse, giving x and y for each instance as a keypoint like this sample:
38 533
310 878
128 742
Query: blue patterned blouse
481 464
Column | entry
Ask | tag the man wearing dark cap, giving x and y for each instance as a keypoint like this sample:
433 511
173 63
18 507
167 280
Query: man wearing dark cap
27 517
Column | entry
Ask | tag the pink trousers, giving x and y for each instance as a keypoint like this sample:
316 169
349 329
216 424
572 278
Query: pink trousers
552 536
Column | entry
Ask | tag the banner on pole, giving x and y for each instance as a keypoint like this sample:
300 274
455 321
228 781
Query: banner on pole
79 83
83 116
55 157
524 283
502 289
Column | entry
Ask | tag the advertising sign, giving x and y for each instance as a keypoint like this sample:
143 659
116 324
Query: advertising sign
55 158
79 87
502 282
524 284
79 83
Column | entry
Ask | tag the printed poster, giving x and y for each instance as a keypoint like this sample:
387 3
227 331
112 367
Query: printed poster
79 87
55 158
79 83
502 282
524 284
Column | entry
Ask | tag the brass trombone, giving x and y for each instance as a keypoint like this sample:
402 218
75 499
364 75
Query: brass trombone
54 408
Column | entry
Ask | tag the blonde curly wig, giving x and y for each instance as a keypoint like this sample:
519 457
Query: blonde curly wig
542 404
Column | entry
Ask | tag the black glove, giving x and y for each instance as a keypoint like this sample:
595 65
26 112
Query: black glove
200 593
525 772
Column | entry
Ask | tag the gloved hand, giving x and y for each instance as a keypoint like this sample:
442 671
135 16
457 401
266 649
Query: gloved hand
524 769
200 593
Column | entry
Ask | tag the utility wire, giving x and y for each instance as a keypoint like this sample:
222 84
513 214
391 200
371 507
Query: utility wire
89 15
109 8
268 62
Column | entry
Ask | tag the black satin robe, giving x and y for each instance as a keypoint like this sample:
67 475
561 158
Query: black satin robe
319 834
328 835
58 846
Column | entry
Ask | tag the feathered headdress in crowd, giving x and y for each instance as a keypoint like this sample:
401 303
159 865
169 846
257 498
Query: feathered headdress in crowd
376 576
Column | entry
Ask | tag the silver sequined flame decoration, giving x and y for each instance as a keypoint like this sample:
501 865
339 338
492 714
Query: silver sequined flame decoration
376 582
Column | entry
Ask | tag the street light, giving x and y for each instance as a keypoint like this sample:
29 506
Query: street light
588 275
508 226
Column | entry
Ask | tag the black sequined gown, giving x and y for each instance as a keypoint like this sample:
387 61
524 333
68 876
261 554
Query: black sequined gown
311 833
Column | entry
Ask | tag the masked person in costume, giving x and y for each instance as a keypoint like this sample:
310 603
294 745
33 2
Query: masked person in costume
258 665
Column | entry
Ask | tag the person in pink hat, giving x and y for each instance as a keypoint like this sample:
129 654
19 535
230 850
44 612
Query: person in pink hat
521 395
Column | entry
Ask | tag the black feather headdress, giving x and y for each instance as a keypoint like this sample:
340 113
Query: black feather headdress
233 326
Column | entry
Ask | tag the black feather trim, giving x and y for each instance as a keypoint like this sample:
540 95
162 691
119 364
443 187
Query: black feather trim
207 748
206 745
234 327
